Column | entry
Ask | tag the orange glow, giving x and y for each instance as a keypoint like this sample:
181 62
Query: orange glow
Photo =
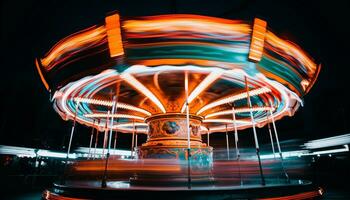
115 42
72 43
304 195
187 23
150 165
140 87
293 50
110 103
213 76
41 75
257 41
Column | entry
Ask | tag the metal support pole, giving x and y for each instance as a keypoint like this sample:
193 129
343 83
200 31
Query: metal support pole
271 139
227 145
70 142
236 143
132 140
91 138
96 140
136 140
72 130
104 180
254 131
278 144
115 139
208 139
188 134
105 135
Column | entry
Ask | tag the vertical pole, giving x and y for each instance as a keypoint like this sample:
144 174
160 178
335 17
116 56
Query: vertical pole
132 140
236 143
70 142
72 130
208 138
271 139
188 133
104 180
91 138
135 144
227 145
111 125
136 139
278 144
96 140
114 109
254 131
105 135
115 138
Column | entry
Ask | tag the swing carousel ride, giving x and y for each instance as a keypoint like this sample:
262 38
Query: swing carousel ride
175 78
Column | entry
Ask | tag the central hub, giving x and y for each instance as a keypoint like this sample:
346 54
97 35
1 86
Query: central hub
170 130
168 138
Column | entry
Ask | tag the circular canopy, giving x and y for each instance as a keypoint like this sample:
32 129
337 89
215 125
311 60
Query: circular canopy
146 61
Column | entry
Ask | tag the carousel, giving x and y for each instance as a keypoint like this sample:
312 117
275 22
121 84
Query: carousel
175 78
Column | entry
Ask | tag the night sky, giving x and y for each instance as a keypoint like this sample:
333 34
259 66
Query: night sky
30 28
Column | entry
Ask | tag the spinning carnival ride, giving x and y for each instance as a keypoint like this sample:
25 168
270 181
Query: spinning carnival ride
175 78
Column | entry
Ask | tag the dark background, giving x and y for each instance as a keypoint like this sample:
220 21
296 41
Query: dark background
30 28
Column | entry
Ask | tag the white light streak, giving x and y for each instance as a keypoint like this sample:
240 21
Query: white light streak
237 110
233 98
103 115
141 88
213 76
328 142
110 103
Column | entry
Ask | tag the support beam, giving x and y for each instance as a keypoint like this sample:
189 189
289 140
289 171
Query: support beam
91 139
132 139
115 139
96 140
278 144
73 128
105 135
208 138
271 139
70 142
254 131
227 145
188 133
238 155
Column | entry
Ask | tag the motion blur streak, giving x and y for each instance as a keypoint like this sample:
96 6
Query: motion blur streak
328 142
305 195
73 44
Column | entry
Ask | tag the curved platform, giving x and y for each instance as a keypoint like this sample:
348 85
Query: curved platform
297 189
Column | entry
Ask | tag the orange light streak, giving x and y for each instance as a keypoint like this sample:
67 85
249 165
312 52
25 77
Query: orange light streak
41 75
72 42
191 23
292 50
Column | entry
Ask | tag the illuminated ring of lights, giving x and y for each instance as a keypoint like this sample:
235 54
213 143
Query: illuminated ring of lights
211 49
283 99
